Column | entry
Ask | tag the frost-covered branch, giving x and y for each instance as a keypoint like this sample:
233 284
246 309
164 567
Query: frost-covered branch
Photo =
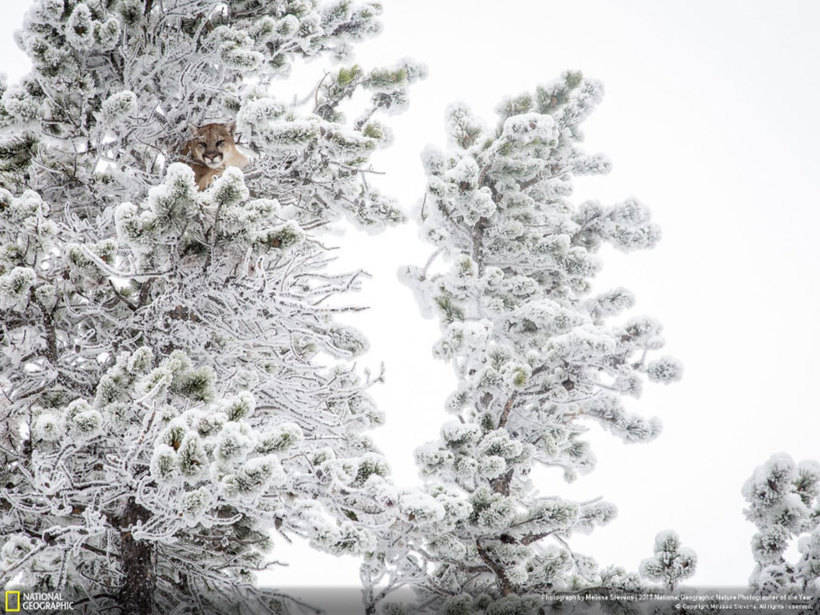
784 505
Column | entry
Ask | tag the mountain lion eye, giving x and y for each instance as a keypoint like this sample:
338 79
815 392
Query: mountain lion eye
220 143
200 145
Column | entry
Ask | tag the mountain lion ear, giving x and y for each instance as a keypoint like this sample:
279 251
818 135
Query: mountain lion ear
193 130
231 127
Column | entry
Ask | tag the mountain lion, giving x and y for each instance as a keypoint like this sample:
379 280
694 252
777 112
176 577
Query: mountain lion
210 151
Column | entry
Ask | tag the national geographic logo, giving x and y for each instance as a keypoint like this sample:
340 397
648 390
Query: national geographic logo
16 600
12 602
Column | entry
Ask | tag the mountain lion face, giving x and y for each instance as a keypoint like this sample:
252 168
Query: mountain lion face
211 144
210 151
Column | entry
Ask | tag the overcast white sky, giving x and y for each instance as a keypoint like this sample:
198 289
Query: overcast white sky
710 117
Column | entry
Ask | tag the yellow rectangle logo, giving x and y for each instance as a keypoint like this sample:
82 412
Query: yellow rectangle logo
12 602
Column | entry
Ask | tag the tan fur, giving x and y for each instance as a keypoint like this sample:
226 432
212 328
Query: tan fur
210 151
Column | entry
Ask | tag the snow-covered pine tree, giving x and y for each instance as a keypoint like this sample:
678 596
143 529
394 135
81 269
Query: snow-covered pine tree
671 563
784 504
174 381
536 353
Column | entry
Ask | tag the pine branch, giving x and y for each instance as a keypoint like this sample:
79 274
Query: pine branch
504 583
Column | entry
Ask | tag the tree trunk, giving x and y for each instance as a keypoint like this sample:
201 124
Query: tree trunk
136 596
